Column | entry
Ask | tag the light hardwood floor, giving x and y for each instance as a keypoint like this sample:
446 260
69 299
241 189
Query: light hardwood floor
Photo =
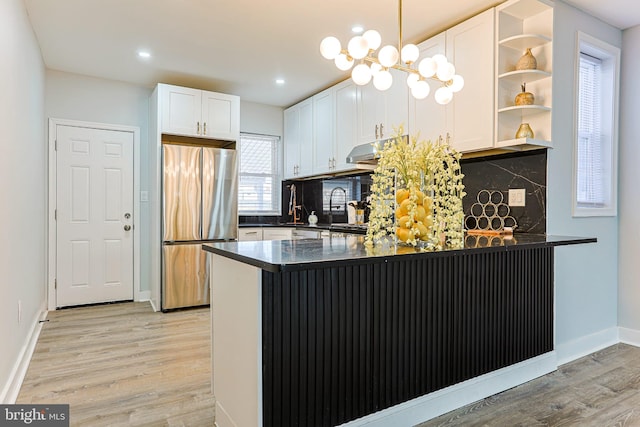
124 365
602 389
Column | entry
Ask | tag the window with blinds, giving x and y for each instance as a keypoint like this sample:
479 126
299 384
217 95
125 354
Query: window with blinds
259 175
595 149
589 191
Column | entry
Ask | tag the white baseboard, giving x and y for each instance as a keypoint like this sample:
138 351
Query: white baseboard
143 296
629 336
12 387
442 401
588 344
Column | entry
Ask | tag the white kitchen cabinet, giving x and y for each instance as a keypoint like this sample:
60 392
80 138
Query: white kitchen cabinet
277 233
199 113
246 234
468 118
345 123
427 118
324 141
379 112
298 140
523 24
304 234
335 115
470 115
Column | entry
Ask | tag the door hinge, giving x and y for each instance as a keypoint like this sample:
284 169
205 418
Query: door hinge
55 214
55 283
55 145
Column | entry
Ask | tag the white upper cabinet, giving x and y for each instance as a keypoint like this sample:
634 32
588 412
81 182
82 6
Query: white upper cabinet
345 122
203 114
298 139
470 115
324 138
468 118
379 112
427 118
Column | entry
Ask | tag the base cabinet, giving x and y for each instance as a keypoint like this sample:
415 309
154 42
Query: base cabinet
249 234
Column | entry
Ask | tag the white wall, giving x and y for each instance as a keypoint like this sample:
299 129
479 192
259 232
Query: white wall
629 204
586 275
261 118
77 97
23 174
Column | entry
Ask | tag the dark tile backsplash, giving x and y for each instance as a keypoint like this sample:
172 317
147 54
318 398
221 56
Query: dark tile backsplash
527 170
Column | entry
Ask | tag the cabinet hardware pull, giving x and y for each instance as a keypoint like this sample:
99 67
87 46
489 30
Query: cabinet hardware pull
251 232
381 133
376 131
204 127
198 128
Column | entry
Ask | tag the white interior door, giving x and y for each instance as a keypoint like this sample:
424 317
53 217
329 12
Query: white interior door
94 209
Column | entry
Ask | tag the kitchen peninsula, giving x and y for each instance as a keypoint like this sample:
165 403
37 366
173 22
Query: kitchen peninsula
325 332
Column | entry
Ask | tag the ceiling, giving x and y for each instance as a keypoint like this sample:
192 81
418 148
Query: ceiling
241 46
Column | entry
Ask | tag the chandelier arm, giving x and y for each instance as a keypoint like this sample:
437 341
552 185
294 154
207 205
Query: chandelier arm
372 60
399 25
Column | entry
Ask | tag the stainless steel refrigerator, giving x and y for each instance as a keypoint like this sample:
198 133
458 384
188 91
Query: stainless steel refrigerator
200 205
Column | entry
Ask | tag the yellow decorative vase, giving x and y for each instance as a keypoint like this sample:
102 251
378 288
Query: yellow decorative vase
524 131
527 61
524 97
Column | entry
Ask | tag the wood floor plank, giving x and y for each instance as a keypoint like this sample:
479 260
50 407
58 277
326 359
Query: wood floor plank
601 389
124 365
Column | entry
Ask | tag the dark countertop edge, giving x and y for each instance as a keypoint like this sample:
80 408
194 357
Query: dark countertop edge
297 266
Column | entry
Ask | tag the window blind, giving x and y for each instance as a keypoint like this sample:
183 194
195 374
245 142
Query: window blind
259 175
590 171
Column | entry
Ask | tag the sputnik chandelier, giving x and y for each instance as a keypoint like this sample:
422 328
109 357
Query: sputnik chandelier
376 66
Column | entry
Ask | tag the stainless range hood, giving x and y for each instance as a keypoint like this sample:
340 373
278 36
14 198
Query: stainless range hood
367 153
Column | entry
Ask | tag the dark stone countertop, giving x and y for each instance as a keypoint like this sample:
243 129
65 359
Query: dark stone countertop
289 255
336 227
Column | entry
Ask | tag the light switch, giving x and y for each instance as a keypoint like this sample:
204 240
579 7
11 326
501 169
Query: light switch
517 197
144 196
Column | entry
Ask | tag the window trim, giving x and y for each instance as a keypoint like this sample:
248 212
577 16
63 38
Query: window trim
610 57
278 175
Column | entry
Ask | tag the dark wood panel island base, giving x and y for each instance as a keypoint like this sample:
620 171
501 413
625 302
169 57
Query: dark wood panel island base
343 335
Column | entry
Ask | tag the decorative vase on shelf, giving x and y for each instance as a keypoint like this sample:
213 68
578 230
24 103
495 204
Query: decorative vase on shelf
524 131
524 97
527 61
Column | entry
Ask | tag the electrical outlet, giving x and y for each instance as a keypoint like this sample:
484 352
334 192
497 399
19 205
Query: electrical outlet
517 197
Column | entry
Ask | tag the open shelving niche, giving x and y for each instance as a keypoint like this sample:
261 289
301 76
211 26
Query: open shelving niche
523 24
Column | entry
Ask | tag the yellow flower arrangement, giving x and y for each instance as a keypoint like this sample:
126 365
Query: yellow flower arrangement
416 194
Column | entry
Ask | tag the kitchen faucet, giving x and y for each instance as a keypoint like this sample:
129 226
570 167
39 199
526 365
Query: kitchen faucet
294 208
331 202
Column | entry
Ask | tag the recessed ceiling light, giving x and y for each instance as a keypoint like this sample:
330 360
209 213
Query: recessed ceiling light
280 81
357 29
144 54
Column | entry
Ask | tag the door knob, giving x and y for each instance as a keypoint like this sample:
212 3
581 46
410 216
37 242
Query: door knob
127 227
